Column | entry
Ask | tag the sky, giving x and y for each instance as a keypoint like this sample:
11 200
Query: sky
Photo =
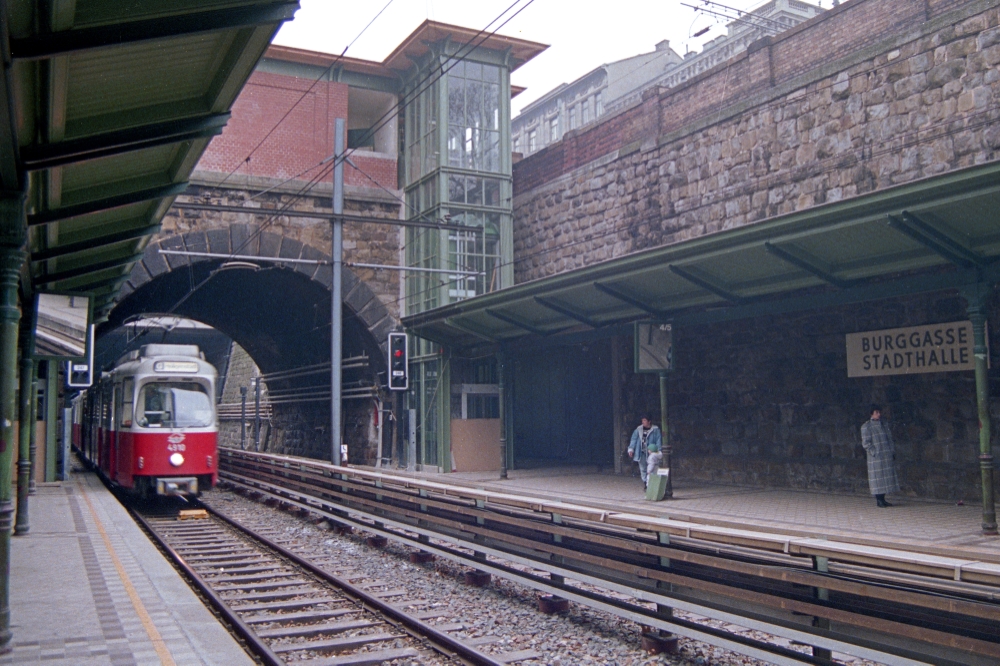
582 34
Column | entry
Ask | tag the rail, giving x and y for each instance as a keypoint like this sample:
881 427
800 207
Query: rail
884 604
210 556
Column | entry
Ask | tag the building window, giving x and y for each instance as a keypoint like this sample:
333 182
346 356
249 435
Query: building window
572 117
474 116
598 105
585 115
554 129
532 141
517 144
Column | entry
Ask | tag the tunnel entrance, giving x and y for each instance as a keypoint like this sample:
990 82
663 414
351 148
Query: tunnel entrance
280 315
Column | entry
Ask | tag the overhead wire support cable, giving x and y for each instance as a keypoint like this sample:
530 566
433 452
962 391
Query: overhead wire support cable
437 74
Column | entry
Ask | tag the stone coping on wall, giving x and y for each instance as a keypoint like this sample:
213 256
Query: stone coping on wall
321 189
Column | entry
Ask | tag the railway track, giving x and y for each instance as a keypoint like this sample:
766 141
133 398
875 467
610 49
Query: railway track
887 606
290 610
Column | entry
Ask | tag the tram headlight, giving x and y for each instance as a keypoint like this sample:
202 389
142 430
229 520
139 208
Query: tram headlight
176 459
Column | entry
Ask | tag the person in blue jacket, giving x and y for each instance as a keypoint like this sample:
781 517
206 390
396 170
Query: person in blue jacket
646 448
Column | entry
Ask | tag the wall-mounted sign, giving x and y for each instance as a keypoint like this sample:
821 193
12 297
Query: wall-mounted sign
654 347
913 350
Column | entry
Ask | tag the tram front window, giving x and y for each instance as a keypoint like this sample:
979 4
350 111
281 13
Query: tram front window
174 405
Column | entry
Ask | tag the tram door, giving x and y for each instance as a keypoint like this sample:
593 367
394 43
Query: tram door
562 407
123 438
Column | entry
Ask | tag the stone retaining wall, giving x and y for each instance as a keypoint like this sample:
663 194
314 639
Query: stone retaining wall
780 128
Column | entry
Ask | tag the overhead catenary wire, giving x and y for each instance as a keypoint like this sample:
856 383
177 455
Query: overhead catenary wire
433 76
319 78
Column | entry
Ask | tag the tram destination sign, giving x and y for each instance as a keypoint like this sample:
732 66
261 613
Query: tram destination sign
913 350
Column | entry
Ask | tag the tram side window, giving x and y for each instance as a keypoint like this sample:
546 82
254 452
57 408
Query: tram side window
174 405
125 399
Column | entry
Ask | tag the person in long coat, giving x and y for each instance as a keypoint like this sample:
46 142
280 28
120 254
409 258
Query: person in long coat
645 448
877 440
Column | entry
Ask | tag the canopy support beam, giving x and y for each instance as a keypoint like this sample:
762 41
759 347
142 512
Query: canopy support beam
563 310
624 297
920 232
706 284
520 324
99 205
83 270
808 265
116 142
65 42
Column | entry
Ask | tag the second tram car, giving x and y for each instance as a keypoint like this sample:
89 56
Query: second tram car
149 424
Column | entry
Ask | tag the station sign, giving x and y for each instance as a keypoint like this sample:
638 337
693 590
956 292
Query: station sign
912 350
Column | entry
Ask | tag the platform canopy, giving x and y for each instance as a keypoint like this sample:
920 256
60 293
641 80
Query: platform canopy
932 234
108 106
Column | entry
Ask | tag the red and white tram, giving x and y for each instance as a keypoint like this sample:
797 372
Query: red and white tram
149 425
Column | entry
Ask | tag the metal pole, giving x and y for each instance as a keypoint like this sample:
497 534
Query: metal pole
243 418
21 525
12 257
256 417
977 314
665 434
336 287
33 437
501 398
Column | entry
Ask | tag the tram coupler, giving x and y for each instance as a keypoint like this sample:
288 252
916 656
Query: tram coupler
477 578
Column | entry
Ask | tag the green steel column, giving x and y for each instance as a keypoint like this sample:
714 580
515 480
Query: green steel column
21 525
33 438
12 256
665 433
977 314
51 420
503 415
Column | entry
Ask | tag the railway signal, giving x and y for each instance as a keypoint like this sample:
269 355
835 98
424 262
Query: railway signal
398 362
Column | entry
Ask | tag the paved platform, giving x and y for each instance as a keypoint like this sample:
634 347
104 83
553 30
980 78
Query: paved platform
926 525
89 588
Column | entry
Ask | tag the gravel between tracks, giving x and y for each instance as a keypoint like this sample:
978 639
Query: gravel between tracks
503 610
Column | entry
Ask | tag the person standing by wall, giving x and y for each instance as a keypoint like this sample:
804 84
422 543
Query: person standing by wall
645 448
877 440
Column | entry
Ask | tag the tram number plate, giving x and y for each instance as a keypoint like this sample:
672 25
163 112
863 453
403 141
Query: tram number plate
176 447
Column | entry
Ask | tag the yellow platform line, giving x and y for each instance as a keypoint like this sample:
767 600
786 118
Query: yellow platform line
147 622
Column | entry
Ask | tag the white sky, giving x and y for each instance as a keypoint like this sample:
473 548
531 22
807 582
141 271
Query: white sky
582 34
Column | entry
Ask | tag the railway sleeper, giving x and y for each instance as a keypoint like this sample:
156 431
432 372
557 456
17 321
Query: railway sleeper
317 629
353 643
297 604
272 596
306 616
261 587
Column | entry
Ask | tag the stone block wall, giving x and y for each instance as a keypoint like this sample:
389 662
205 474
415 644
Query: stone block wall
863 97
365 243
767 402
868 95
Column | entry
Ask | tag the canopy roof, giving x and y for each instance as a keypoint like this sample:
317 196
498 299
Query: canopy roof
110 106
936 233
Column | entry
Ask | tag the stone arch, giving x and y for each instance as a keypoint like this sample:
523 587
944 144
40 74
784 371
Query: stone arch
279 313
241 239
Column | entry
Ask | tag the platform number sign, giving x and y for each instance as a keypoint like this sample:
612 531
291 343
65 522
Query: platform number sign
81 375
654 347
398 362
